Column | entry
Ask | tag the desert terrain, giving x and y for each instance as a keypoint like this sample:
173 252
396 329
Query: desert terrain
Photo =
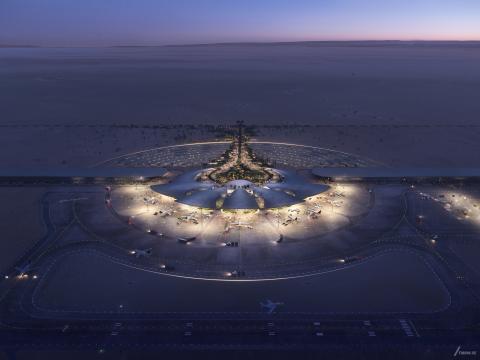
398 103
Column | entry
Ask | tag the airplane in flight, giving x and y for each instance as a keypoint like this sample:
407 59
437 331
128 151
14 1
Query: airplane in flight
141 253
270 305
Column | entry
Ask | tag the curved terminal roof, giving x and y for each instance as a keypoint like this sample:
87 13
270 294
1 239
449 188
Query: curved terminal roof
239 184
239 194
194 155
395 173
83 172
276 198
240 199
204 198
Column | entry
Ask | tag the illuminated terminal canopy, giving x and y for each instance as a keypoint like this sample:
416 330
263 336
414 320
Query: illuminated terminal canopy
240 179
80 175
189 189
395 174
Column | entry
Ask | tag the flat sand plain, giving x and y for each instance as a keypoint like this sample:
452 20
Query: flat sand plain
400 103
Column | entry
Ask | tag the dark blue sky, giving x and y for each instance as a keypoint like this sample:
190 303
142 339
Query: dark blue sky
157 22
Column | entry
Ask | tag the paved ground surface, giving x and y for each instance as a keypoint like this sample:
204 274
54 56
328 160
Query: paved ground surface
379 277
381 284
384 263
21 222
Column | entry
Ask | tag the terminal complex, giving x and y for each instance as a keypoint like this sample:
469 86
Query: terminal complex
239 197
240 180
243 226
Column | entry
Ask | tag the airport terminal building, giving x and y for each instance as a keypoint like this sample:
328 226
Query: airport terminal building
80 176
397 175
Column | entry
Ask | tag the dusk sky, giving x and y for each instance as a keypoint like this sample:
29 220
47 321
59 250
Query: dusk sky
160 22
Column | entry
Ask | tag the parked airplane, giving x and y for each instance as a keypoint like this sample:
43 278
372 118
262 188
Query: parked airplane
188 217
186 240
242 224
23 270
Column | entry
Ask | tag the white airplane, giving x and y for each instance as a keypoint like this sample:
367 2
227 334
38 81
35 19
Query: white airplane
151 201
270 305
23 270
188 217
168 212
314 210
335 203
242 224
186 240
290 220
141 253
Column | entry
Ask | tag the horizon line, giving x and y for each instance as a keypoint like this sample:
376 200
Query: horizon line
226 43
